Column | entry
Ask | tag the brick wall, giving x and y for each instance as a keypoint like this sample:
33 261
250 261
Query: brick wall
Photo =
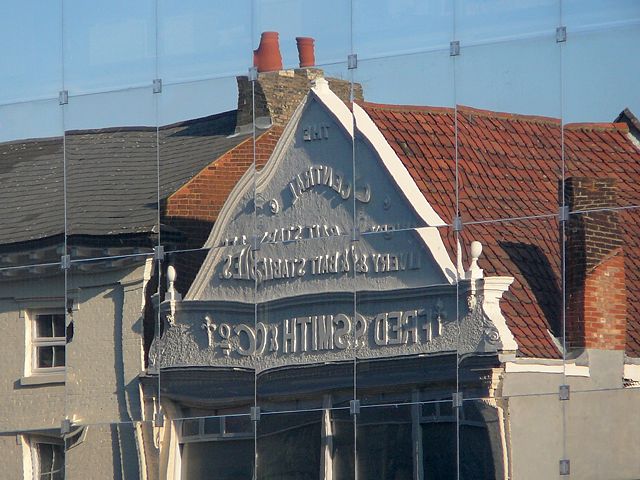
278 94
196 205
595 283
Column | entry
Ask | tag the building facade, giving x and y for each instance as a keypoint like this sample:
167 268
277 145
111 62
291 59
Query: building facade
407 254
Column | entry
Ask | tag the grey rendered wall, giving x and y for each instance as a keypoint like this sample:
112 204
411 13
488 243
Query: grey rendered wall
602 425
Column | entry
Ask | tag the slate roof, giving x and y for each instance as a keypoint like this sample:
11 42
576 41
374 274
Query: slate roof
509 166
112 177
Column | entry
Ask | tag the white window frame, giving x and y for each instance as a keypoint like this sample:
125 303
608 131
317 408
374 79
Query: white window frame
31 458
32 373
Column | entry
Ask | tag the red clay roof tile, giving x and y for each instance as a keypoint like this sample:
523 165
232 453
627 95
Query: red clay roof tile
509 166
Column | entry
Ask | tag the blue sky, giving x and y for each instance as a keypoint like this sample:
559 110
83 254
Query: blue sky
105 53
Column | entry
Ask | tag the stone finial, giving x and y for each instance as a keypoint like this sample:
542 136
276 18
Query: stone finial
474 271
172 294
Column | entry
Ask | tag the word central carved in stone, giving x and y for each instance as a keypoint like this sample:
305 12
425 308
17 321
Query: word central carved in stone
316 333
319 175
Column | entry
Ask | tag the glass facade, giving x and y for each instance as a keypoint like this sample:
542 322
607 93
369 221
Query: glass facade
268 239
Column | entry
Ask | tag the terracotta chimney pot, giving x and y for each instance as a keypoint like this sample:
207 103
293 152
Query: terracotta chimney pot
267 56
306 52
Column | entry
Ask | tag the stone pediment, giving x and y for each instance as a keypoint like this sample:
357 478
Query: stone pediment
327 213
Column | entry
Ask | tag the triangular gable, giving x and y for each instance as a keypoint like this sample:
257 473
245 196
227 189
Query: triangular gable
307 193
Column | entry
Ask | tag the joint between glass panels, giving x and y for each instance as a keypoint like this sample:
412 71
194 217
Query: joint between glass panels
253 74
158 252
564 392
565 467
255 414
456 399
457 224
352 61
255 243
65 426
355 237
563 214
454 48
354 407
157 85
63 97
561 34
158 420
65 262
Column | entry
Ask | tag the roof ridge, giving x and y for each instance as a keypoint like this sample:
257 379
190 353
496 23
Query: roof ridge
463 108
407 108
603 126
510 116
145 128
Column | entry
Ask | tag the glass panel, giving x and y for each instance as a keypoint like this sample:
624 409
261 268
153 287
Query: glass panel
534 446
405 154
305 261
496 20
203 39
111 165
117 450
327 23
110 303
482 437
218 446
202 158
32 395
58 325
45 357
407 305
31 172
108 45
408 27
599 424
607 101
595 14
388 443
509 140
293 445
343 446
593 146
44 325
31 61
600 288
36 121
515 266
198 351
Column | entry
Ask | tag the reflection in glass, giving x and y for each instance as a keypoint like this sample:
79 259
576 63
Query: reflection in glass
329 23
30 33
407 27
117 450
108 302
199 39
222 447
291 446
494 20
386 442
111 184
607 101
108 45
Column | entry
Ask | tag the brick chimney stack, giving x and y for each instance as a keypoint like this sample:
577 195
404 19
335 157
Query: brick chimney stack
277 92
596 315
